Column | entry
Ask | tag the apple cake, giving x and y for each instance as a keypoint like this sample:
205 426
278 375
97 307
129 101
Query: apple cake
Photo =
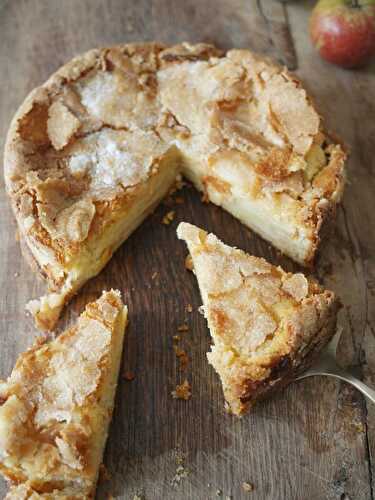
56 406
91 152
267 325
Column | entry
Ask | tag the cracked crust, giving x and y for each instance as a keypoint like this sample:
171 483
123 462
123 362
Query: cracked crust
26 492
93 150
56 406
267 325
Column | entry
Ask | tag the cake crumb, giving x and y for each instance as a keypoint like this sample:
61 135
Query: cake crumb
219 493
181 473
189 308
16 274
183 328
247 486
128 375
176 338
168 217
182 391
189 263
154 275
182 356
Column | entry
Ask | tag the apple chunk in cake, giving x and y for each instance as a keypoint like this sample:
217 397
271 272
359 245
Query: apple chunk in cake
267 325
56 407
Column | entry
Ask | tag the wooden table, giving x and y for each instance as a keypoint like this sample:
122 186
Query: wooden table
314 440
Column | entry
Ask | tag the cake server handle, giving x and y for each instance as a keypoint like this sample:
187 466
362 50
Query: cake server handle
326 365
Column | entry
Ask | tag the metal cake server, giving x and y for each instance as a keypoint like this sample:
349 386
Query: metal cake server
327 365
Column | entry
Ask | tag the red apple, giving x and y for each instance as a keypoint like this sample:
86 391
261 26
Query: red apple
343 31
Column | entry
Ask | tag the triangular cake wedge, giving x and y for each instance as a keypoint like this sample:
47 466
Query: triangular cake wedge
56 407
267 325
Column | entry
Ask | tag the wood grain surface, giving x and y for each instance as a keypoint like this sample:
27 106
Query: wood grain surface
313 441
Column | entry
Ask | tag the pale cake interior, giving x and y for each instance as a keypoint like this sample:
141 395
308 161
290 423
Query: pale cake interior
266 324
57 405
92 151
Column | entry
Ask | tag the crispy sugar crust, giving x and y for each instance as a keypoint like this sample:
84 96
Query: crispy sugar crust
82 147
56 406
267 325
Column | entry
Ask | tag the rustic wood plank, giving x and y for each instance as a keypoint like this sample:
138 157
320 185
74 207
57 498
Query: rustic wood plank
276 18
314 440
348 99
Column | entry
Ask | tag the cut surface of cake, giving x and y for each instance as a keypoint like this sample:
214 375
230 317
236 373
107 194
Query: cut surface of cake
90 153
267 325
56 406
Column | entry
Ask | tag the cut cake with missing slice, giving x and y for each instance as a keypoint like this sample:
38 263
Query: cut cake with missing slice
267 325
92 151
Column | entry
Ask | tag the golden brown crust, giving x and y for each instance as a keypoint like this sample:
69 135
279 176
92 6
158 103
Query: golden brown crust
267 325
82 146
56 406
186 52
26 492
246 386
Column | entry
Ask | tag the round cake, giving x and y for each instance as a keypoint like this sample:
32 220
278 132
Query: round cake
91 152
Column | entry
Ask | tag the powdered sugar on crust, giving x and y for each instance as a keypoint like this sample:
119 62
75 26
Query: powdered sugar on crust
95 91
112 158
116 98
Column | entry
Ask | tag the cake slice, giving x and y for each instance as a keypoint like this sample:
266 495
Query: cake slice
267 325
56 407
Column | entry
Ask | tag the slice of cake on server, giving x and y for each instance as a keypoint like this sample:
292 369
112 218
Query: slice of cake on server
267 325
